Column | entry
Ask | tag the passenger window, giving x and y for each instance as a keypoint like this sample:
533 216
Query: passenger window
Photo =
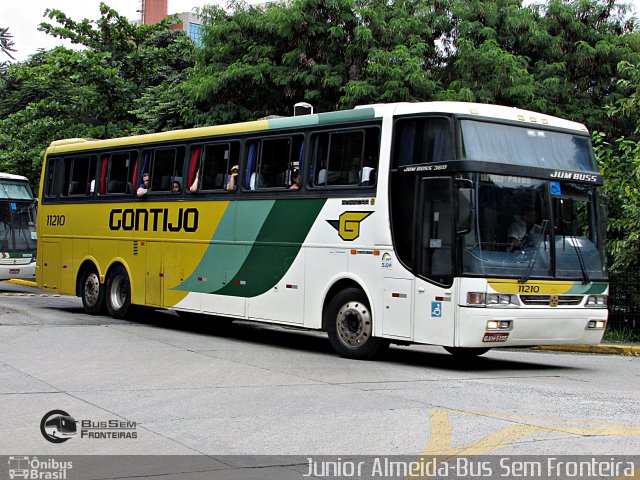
51 179
117 173
422 140
165 167
271 162
79 175
213 167
347 158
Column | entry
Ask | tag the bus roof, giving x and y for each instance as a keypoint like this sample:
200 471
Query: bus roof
361 112
484 110
11 176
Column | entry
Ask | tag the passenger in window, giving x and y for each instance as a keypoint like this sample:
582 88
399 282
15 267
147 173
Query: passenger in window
264 177
143 189
232 183
295 179
176 187
194 186
354 171
522 226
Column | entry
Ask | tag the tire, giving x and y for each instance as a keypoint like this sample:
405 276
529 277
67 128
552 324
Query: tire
92 292
118 292
349 324
461 352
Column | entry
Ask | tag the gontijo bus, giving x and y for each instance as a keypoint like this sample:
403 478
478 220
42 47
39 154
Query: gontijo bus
402 230
17 228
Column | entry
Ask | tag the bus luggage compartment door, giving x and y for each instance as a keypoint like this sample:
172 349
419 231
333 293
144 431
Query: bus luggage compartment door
51 268
396 313
153 280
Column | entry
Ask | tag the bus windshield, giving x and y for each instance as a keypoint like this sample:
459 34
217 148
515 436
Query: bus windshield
17 226
526 146
526 228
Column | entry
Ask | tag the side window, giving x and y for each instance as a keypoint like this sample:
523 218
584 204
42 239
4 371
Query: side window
272 161
166 169
345 158
117 173
51 187
422 140
214 165
79 176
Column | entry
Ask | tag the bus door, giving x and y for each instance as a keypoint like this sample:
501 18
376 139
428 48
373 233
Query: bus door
434 235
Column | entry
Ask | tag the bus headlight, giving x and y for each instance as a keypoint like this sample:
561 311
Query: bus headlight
596 324
501 300
492 299
499 325
597 301
475 298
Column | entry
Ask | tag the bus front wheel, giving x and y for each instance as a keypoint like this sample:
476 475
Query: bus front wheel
118 293
91 291
349 324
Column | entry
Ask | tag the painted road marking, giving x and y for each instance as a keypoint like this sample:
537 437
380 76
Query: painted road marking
441 439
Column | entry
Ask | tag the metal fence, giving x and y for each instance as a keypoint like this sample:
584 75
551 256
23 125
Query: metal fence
624 301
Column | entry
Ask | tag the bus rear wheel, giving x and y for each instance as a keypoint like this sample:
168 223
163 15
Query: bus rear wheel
462 352
349 324
91 291
118 292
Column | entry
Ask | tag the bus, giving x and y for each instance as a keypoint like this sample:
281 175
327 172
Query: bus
17 228
61 426
401 230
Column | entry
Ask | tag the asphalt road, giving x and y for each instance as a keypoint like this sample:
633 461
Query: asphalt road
187 388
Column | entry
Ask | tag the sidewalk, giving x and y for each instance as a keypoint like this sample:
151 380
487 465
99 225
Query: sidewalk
632 350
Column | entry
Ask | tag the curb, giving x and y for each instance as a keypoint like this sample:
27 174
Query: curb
26 283
607 348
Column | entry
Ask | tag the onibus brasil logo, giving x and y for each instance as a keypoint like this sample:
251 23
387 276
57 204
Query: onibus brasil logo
348 224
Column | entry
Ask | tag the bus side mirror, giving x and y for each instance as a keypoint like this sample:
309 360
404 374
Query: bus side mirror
603 220
465 208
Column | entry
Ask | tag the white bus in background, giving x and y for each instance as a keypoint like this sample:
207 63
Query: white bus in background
17 228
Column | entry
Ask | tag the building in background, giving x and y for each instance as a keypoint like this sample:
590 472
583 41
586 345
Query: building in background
154 11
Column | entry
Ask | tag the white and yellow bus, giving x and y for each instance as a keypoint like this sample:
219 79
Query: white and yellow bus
17 228
463 225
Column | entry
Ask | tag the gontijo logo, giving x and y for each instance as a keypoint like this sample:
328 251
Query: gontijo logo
348 224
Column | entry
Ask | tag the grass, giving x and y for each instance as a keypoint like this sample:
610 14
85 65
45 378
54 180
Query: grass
621 335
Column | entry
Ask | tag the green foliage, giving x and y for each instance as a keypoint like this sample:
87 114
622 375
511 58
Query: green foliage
619 162
108 89
6 47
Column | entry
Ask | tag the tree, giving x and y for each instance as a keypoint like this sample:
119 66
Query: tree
93 92
6 46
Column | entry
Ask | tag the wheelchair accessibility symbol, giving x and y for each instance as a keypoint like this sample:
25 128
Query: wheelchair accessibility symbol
436 309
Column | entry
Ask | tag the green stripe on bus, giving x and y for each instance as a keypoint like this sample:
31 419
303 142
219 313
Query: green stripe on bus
275 248
323 118
594 288
237 231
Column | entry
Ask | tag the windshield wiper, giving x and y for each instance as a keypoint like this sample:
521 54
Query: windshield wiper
532 260
575 242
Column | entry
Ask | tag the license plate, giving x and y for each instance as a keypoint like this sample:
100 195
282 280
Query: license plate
14 271
495 337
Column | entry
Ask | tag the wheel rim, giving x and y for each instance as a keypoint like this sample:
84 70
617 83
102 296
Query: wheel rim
118 293
354 324
91 289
